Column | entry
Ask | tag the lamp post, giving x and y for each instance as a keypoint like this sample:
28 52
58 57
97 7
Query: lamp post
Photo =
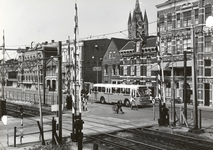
97 68
184 84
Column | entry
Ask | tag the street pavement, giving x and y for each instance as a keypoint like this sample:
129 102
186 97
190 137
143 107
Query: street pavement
98 119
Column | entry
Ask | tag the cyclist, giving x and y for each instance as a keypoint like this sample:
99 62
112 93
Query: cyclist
119 106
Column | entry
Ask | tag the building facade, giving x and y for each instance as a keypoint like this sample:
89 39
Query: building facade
181 27
111 61
92 57
89 58
32 64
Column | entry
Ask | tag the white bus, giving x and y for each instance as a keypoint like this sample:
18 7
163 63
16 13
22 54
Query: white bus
111 93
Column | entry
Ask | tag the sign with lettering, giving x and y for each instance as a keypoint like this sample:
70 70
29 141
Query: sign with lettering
56 107
96 68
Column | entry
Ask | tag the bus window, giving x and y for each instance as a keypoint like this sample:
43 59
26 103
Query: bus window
127 90
113 90
103 89
99 89
141 91
107 90
123 90
118 90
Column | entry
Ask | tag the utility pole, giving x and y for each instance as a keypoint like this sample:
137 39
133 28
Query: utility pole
185 85
3 73
60 91
44 76
194 79
173 89
69 71
39 97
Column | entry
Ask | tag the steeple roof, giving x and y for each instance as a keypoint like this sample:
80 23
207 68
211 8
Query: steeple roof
145 17
130 19
137 6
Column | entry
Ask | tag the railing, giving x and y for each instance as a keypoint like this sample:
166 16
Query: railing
31 96
23 132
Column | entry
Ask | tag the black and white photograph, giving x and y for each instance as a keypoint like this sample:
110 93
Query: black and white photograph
106 74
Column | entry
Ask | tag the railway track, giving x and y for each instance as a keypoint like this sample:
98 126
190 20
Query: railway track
175 141
158 139
122 143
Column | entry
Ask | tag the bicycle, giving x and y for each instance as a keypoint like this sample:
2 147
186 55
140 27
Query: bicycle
114 108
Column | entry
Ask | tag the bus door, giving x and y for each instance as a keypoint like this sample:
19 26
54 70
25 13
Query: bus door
125 94
107 95
95 92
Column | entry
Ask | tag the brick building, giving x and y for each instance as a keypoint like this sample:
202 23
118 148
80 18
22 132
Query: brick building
111 61
181 27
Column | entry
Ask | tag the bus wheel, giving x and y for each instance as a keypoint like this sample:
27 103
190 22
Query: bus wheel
102 100
127 102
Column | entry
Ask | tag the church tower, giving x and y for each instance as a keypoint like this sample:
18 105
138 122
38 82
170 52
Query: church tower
130 26
136 24
146 24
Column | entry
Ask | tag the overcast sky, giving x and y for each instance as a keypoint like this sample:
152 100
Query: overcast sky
24 21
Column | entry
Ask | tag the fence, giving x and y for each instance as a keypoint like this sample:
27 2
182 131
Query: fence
25 134
31 96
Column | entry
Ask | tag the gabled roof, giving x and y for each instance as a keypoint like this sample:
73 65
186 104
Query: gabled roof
120 42
150 42
129 45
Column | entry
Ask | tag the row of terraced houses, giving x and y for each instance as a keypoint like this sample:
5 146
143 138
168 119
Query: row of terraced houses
180 27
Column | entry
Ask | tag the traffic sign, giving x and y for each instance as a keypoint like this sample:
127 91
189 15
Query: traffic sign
96 68
153 101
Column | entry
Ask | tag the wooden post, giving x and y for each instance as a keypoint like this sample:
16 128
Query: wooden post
192 114
153 111
41 133
53 131
95 146
14 136
181 117
200 119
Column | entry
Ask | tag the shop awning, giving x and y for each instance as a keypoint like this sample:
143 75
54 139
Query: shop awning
168 65
165 66
180 64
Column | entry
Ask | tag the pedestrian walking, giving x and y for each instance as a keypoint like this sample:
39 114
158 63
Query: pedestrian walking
119 106
84 96
69 101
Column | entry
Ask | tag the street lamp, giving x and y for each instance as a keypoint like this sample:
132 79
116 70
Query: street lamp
148 82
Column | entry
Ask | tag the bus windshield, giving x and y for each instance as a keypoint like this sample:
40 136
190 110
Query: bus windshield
143 91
